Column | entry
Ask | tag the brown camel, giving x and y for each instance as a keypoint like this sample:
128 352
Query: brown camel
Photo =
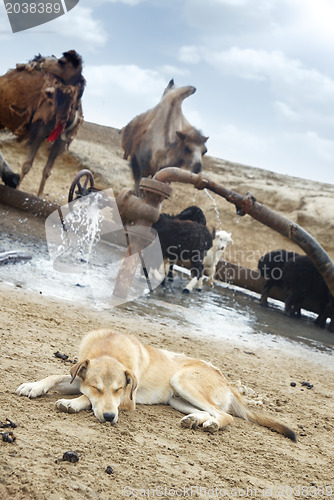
162 137
41 100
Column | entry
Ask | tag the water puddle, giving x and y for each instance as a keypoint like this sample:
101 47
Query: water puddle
228 314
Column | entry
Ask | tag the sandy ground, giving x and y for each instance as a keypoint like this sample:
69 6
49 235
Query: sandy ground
150 454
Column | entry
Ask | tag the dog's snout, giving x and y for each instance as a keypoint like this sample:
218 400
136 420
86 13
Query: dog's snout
109 417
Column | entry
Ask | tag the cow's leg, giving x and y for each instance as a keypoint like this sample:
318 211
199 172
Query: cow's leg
57 149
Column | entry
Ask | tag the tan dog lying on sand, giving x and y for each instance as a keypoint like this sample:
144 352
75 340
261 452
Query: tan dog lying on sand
116 371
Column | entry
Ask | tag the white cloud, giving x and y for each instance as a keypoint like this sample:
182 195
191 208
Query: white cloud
102 2
232 17
300 154
236 143
79 24
190 54
305 91
128 2
253 64
5 29
260 4
316 18
130 78
286 111
172 71
116 93
322 148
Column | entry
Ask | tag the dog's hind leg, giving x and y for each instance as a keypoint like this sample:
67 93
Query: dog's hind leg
61 383
201 387
195 417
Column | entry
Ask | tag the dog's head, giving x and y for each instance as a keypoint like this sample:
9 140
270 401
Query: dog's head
108 385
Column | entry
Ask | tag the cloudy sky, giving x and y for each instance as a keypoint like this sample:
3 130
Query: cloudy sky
263 70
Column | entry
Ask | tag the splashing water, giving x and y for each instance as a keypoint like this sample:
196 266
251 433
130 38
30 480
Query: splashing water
215 207
80 238
74 233
85 224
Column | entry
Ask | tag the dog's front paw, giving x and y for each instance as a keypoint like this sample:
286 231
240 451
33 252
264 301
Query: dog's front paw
190 422
31 389
211 425
67 405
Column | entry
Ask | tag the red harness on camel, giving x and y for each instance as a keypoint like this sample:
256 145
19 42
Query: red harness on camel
56 132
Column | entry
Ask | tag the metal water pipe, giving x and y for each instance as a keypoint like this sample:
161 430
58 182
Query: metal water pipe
138 214
247 204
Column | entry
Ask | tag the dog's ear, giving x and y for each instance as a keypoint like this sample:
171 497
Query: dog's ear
129 402
131 380
79 369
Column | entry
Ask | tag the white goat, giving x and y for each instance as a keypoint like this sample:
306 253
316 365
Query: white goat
215 254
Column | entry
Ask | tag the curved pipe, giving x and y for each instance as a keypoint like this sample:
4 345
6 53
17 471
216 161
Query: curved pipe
134 209
175 174
248 205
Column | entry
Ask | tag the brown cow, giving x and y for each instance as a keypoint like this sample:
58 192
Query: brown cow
42 100
162 137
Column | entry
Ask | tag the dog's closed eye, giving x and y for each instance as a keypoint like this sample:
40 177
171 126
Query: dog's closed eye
118 389
97 389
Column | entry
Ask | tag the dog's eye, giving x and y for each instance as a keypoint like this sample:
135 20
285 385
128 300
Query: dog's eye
96 388
119 389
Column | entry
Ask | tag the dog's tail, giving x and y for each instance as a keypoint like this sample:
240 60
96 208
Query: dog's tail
239 408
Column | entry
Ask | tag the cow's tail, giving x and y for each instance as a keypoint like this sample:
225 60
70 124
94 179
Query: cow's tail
239 408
